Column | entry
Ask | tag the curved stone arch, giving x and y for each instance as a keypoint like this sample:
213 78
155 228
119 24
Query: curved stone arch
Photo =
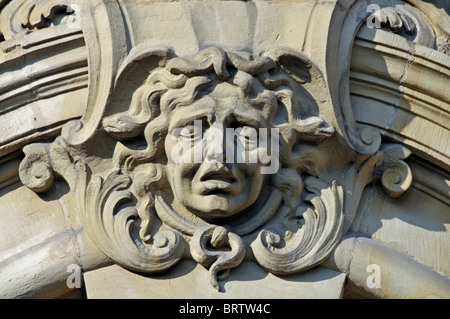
106 40
350 16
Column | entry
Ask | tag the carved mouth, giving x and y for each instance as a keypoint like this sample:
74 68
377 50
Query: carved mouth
218 176
218 181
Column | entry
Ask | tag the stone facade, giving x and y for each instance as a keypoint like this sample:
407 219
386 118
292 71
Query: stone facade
224 149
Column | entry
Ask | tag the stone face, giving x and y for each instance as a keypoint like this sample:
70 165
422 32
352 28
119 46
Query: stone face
234 145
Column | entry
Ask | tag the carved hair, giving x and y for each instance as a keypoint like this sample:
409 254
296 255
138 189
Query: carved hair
276 78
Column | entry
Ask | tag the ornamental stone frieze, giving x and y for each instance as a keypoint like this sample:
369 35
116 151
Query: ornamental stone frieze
224 149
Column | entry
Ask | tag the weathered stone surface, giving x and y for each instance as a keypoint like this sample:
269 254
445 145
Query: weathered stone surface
186 281
234 144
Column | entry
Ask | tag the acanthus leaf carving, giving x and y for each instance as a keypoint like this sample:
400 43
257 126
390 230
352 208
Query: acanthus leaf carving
26 16
41 14
318 233
396 21
115 227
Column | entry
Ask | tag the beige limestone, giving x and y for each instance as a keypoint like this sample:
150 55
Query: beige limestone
186 281
97 96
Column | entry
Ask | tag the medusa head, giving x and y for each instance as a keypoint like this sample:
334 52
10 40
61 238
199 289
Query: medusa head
219 127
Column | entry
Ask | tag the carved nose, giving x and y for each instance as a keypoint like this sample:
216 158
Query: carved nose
214 152
214 145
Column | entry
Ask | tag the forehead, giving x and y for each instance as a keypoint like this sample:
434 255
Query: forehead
222 102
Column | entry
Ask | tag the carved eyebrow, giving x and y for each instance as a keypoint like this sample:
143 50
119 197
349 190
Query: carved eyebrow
189 119
247 118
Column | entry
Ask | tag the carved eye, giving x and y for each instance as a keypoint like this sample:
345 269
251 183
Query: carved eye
193 132
248 134
188 132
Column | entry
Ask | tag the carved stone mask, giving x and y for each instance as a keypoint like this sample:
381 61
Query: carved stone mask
177 183
218 116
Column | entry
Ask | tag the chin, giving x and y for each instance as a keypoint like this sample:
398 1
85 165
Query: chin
216 206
